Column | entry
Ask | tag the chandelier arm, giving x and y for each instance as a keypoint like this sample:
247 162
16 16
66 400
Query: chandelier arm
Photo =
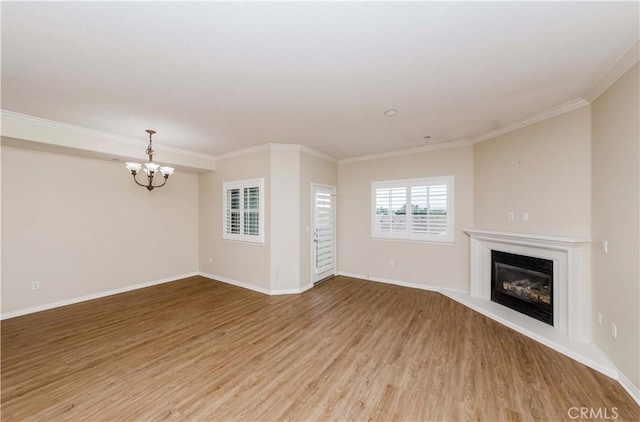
138 183
150 186
163 183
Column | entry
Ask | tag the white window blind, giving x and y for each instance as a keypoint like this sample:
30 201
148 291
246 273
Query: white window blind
416 209
243 212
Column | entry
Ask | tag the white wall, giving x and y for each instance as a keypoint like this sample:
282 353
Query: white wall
616 213
285 219
81 226
543 169
242 262
1 230
420 263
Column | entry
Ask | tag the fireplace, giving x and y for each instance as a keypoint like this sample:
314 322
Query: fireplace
570 330
570 287
523 283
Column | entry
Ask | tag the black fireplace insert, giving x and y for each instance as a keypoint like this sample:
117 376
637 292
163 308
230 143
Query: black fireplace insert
523 283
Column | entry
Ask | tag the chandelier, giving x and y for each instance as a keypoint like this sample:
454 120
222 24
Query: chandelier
150 168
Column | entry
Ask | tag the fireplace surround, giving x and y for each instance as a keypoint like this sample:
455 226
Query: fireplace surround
571 287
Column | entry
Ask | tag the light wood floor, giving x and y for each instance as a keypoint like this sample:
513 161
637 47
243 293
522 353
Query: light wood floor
346 350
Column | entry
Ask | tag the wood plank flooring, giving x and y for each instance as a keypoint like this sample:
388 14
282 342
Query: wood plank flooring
347 349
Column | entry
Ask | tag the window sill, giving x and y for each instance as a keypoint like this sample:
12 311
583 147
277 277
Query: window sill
424 242
245 242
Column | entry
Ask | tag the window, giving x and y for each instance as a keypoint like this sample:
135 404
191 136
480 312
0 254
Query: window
416 209
243 213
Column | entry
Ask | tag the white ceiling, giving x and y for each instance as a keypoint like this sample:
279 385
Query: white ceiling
213 77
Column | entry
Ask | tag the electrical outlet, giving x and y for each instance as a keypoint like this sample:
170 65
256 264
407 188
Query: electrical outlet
510 216
210 260
35 285
605 246
599 318
614 330
392 263
525 216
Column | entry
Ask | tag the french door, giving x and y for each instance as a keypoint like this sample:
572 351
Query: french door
323 239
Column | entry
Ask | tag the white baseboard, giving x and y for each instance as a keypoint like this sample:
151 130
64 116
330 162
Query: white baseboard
84 298
259 289
65 302
305 288
236 283
428 287
279 292
293 291
633 390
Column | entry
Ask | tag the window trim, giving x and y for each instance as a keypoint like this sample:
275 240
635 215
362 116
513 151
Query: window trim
241 237
407 236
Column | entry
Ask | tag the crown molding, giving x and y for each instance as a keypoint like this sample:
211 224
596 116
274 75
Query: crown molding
408 151
276 147
282 147
243 151
51 124
536 118
318 154
614 73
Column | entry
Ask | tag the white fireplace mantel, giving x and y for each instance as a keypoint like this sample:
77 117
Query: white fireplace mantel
571 276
